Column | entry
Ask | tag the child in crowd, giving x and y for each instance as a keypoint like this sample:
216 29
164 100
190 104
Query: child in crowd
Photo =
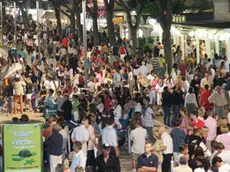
184 151
188 136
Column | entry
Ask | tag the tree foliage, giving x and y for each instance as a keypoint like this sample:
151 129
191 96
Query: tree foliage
151 7
129 6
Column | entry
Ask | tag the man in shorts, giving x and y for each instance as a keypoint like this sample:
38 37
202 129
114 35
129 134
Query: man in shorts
138 137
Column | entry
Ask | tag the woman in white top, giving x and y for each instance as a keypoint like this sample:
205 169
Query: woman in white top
100 104
190 102
117 111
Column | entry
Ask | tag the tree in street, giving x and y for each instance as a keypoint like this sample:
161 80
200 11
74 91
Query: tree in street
56 5
133 20
109 5
164 10
93 11
72 9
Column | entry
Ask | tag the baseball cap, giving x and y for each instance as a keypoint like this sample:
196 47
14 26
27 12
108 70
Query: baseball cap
106 146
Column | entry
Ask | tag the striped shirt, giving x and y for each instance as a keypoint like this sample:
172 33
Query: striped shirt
147 117
155 63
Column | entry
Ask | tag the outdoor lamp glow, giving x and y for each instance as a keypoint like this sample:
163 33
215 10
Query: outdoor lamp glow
152 21
192 34
210 36
222 37
133 13
200 35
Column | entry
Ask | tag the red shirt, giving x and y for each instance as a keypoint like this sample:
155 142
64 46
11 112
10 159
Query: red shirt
122 51
198 124
154 83
65 42
204 99
182 69
107 104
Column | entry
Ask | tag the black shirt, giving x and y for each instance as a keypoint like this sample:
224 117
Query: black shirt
151 161
196 85
29 88
166 99
54 144
9 90
176 98
193 142
100 165
67 108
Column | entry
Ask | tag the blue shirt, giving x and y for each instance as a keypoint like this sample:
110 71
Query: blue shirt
178 136
109 135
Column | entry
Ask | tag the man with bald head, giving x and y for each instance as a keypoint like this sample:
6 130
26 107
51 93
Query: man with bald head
218 100
168 149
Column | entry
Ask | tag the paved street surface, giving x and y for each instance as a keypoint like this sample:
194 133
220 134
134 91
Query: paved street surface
125 158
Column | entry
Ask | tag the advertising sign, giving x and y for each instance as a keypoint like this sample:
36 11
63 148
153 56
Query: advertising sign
22 147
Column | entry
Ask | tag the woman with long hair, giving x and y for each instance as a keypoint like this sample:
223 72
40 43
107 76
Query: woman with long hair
184 120
198 156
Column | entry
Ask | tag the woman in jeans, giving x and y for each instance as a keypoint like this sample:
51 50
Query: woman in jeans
166 105
9 96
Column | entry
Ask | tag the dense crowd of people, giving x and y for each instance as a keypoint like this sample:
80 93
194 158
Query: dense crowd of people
97 116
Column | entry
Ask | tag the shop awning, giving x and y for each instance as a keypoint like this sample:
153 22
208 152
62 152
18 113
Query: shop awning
208 23
49 15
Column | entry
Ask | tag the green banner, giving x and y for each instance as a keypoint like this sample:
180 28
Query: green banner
22 146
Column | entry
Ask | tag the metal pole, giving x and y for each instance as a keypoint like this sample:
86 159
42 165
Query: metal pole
38 29
15 25
85 40
1 22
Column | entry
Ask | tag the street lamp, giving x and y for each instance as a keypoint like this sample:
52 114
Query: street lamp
85 40
1 23
38 28
15 24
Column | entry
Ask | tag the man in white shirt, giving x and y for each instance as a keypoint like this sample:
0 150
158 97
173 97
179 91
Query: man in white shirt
138 137
223 153
222 167
206 80
81 134
79 158
137 106
91 85
168 149
109 135
151 77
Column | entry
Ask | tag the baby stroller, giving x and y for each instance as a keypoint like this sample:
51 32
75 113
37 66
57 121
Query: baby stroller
123 134
41 104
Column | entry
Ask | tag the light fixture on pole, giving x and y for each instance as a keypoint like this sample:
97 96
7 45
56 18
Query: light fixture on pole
38 29
85 40
15 25
1 23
